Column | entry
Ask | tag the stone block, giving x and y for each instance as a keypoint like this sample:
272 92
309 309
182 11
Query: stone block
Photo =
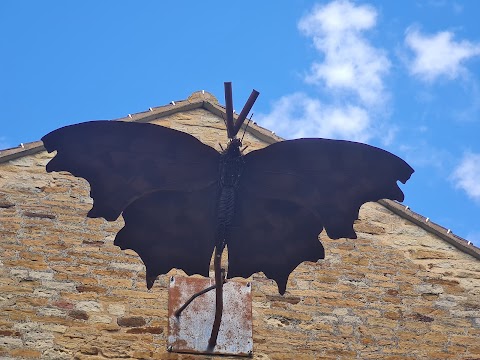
59 285
128 266
78 314
11 341
132 321
89 306
116 309
104 319
25 353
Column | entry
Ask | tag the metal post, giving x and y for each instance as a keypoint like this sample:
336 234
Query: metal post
218 299
246 109
229 109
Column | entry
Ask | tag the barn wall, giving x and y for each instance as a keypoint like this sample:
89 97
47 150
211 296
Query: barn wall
66 292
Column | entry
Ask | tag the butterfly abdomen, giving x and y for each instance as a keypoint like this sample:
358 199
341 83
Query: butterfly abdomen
225 214
231 166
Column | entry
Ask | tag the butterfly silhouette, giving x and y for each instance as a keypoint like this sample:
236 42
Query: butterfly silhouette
181 198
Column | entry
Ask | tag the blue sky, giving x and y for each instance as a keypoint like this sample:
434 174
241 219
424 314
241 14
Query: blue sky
404 76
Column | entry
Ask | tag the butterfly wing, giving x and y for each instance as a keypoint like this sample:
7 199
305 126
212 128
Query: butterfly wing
171 229
272 236
303 186
123 161
164 181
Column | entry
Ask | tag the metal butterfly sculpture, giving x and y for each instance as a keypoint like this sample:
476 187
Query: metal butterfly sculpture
181 199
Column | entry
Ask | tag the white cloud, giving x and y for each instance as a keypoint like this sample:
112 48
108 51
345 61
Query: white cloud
302 116
467 175
349 63
438 55
348 70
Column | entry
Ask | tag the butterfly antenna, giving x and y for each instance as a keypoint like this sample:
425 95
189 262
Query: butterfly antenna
246 127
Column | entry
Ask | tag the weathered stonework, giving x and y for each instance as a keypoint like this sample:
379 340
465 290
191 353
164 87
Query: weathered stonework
66 292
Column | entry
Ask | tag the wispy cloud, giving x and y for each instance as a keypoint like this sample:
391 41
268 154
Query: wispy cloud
349 74
312 118
438 55
467 175
350 62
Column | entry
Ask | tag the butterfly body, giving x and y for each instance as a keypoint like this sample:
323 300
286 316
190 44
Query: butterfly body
231 166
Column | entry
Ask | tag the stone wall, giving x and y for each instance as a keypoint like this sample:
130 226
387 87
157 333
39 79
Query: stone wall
66 292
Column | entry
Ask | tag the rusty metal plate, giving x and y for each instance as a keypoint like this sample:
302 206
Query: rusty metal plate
191 330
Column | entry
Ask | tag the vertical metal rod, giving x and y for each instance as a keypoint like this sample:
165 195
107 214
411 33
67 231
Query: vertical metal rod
246 109
229 109
217 263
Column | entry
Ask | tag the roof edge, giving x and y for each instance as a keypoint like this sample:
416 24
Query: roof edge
193 102
198 99
20 151
433 228
263 134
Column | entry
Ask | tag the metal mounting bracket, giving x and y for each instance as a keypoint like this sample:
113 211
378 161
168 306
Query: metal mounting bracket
190 332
